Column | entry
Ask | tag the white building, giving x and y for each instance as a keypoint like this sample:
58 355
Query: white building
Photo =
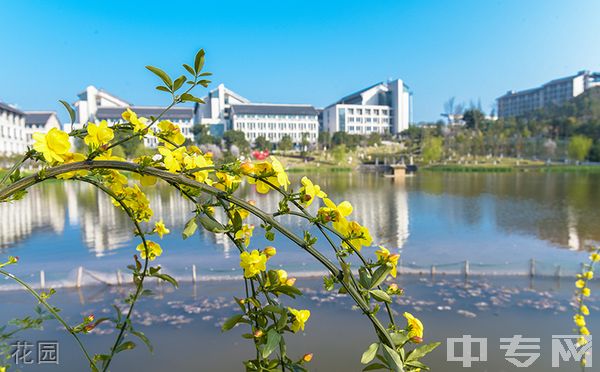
13 139
40 121
95 105
380 108
276 121
227 110
554 92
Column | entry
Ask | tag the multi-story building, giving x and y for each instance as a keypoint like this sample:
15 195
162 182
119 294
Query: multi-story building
40 121
13 139
380 108
227 110
554 92
276 121
95 105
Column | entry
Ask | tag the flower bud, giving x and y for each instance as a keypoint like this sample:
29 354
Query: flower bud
290 282
90 318
417 340
89 328
307 357
258 333
270 251
247 167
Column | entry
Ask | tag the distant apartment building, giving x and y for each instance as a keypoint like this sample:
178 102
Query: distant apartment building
40 121
227 110
381 108
554 92
95 105
13 139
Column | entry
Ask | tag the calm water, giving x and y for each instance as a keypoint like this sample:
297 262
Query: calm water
497 221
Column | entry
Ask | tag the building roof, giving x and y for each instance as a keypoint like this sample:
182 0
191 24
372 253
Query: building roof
273 109
7 107
351 97
175 113
38 117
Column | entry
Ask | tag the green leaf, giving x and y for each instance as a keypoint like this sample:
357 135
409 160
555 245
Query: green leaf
162 75
417 364
167 278
163 88
179 82
379 275
144 339
273 338
190 98
199 61
282 321
421 351
127 345
399 338
380 295
189 69
370 353
374 366
69 109
289 290
190 228
231 322
393 359
211 225
364 278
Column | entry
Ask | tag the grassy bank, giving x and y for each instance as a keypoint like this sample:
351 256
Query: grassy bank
502 168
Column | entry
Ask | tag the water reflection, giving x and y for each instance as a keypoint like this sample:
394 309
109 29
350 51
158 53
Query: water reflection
430 210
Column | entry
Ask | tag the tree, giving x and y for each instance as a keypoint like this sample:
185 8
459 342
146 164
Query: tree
473 118
262 143
324 139
236 137
339 153
202 134
374 139
432 149
285 143
579 147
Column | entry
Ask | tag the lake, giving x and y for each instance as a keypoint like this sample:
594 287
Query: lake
498 222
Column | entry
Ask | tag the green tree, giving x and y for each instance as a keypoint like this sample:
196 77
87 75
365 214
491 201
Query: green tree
473 118
339 153
579 147
262 143
324 139
285 143
374 139
202 134
236 137
432 149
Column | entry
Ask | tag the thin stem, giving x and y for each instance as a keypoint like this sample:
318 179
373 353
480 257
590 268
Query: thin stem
15 167
53 312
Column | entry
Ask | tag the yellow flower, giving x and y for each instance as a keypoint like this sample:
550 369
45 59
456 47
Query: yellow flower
53 145
139 124
310 191
282 275
172 159
580 283
579 320
226 181
359 235
584 331
336 213
98 135
197 161
253 263
161 229
589 275
415 326
300 318
306 358
282 178
584 310
586 292
171 132
270 251
272 173
595 257
244 234
72 157
145 179
107 155
154 250
384 255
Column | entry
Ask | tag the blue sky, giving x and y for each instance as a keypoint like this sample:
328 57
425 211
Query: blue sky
295 51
